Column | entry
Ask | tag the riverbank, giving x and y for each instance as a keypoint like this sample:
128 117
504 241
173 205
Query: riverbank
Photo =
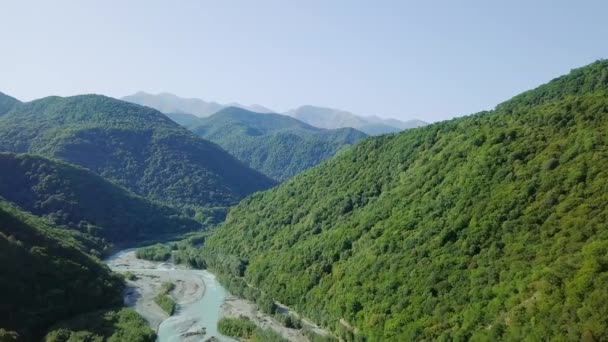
201 301
235 307
148 279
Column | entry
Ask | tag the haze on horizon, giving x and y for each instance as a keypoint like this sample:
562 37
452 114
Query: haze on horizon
402 59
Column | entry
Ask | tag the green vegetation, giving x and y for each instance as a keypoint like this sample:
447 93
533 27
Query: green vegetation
166 303
245 330
7 103
111 326
164 300
158 252
178 252
487 227
7 336
241 327
46 275
78 199
315 337
289 320
277 145
137 147
130 276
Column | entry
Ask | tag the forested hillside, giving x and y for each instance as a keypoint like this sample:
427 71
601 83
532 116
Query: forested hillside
7 103
277 145
487 227
134 146
79 199
46 276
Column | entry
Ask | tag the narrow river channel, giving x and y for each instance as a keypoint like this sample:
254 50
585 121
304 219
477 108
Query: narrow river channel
198 294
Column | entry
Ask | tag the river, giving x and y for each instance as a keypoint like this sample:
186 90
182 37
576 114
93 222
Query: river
198 294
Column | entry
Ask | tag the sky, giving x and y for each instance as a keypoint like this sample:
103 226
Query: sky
431 60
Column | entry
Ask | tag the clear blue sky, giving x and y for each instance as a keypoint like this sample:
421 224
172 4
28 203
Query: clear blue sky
427 59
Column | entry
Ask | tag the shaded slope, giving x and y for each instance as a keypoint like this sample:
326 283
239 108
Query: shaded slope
274 144
137 147
79 199
45 276
491 226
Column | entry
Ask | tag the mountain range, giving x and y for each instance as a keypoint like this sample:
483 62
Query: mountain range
136 147
334 118
319 117
276 145
169 103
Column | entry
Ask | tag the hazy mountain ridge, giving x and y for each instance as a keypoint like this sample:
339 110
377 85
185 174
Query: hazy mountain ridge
335 118
170 103
320 117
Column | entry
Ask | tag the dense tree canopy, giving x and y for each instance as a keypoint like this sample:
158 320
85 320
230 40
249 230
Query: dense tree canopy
79 199
491 226
137 147
119 325
7 103
46 275
277 145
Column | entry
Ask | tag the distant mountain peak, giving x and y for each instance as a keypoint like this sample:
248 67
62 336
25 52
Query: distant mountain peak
170 103
317 116
331 118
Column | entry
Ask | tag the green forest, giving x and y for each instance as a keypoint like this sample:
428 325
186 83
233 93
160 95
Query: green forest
118 325
48 275
244 329
276 145
487 227
136 147
76 198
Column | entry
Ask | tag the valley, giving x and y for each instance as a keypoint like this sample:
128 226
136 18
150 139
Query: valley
158 218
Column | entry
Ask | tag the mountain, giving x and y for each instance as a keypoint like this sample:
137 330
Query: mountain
169 103
334 118
252 108
137 147
7 103
77 198
326 117
402 125
320 117
486 227
277 145
46 276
